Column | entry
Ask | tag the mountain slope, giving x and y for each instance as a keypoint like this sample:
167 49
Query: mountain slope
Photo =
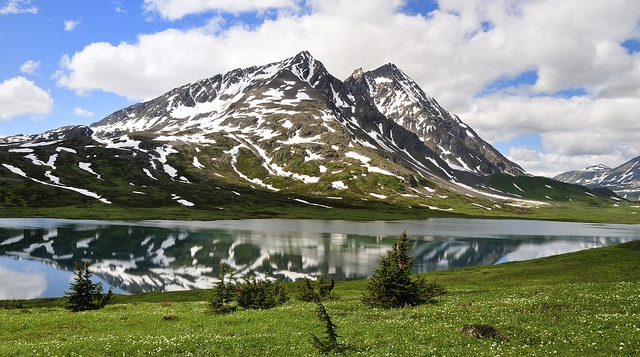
288 131
293 103
400 99
623 180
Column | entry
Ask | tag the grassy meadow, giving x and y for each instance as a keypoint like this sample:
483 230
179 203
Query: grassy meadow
603 211
577 304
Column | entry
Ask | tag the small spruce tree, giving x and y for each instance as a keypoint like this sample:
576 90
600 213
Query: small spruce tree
223 299
85 294
392 284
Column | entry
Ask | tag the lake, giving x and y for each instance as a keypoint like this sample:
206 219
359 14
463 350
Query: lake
37 255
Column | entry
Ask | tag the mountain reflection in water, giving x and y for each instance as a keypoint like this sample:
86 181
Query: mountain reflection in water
146 256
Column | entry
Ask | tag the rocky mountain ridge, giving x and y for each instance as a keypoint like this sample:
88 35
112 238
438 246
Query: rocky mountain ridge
623 180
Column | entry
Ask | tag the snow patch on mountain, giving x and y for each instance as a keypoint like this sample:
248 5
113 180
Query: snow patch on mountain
52 178
22 150
311 204
359 157
339 185
181 200
197 163
148 173
56 183
86 166
69 150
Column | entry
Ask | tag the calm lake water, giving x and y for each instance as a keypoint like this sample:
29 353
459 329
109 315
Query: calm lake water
37 255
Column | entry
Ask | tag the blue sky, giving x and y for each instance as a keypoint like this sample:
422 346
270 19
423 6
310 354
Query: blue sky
554 85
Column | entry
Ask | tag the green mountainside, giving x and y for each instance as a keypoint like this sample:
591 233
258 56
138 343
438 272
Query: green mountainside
285 139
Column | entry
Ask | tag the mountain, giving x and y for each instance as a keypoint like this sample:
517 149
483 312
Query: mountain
623 180
267 137
400 99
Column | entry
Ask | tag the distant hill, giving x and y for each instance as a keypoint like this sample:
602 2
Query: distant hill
623 180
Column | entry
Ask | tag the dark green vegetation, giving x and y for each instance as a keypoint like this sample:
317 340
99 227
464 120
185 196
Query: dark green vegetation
583 303
307 293
251 293
392 284
85 294
223 299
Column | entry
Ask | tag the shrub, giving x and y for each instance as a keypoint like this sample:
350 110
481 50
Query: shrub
392 284
307 293
253 293
261 294
85 294
13 304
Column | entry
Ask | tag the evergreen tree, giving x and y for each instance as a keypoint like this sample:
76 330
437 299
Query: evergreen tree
223 299
392 284
85 294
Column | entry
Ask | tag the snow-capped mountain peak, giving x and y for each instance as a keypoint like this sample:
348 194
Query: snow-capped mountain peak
400 99
290 123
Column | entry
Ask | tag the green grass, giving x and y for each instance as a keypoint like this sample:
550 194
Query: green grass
266 205
578 304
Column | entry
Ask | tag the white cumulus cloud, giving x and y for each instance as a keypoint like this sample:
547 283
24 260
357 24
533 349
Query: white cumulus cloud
153 65
18 7
30 67
69 25
20 96
21 285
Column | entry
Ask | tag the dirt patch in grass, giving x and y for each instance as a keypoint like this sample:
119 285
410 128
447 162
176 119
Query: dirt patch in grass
483 332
